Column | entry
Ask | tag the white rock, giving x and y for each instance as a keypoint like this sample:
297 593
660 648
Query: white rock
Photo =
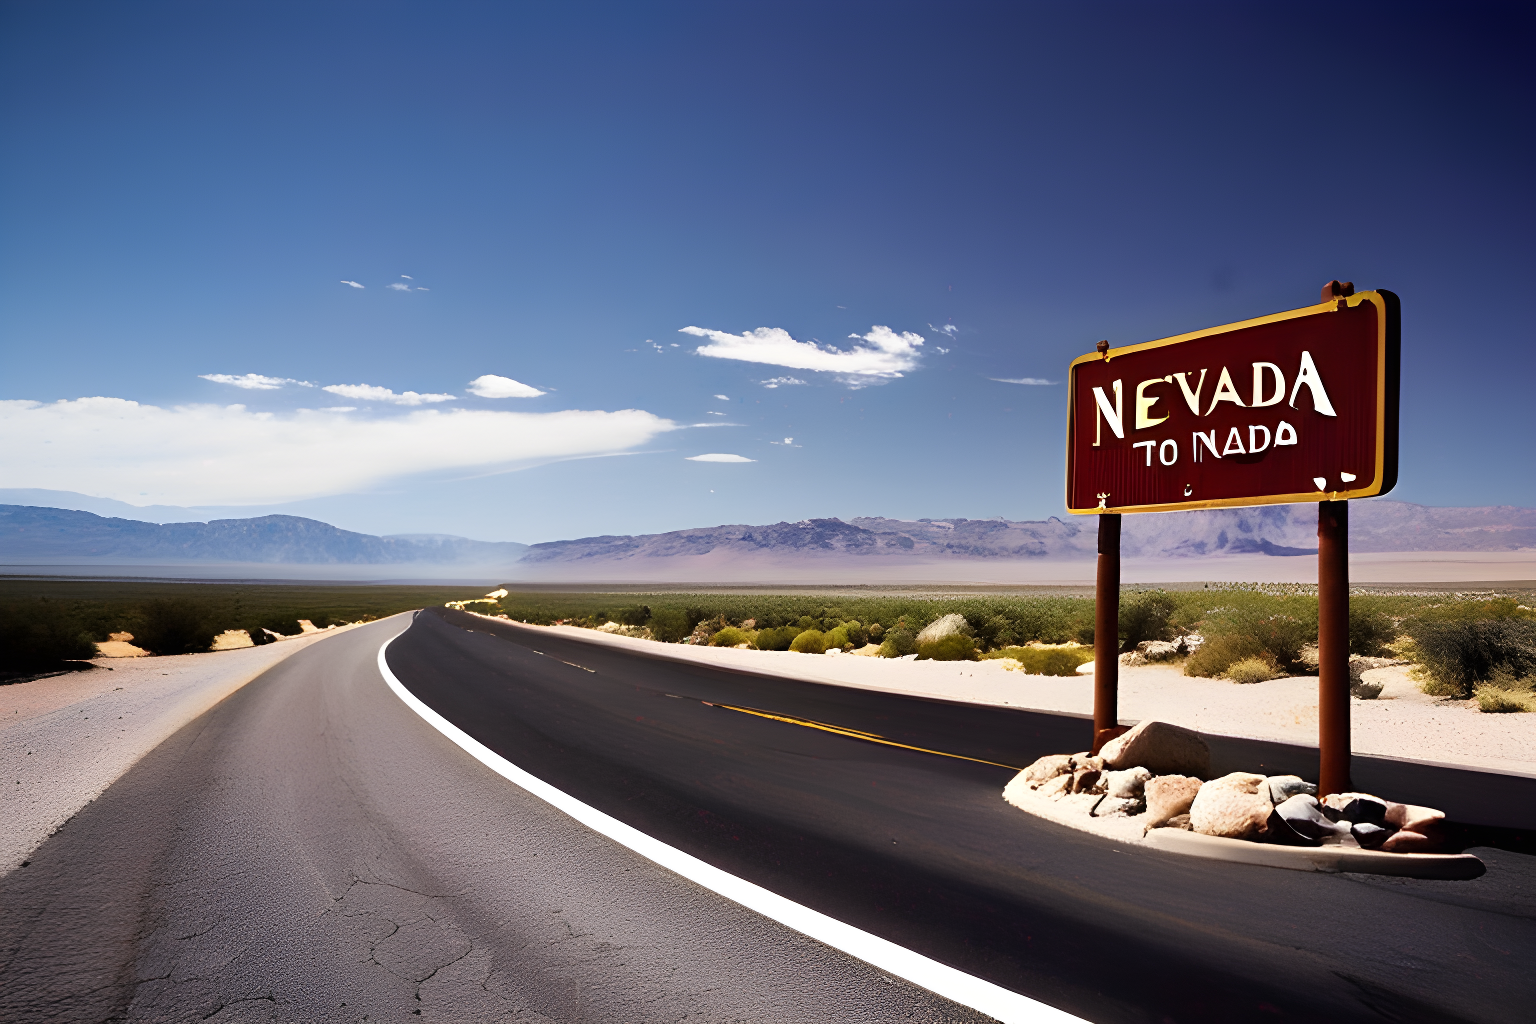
1128 784
940 628
1235 806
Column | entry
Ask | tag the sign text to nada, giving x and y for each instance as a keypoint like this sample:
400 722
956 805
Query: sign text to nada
1298 406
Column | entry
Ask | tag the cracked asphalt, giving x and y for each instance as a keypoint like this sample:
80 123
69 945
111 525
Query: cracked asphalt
311 850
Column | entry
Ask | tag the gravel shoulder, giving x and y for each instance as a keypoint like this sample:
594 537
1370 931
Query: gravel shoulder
66 738
1403 722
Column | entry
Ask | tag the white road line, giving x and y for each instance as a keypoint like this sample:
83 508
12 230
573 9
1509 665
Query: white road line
993 1000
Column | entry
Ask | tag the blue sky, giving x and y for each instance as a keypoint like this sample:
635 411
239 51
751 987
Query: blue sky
568 187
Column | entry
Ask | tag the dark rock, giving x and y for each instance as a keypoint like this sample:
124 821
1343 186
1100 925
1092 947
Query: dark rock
1283 787
1357 808
1371 836
1300 821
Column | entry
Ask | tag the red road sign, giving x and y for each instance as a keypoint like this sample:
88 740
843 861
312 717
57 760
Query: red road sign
1296 406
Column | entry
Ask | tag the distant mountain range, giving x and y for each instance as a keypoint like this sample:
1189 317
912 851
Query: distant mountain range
1268 530
30 535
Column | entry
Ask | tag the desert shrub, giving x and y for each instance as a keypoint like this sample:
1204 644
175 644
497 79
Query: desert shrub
40 634
899 641
857 634
806 622
1218 654
950 647
777 639
1253 670
1046 661
1499 701
812 641
634 615
1145 616
838 638
175 625
258 635
670 625
876 631
1457 654
1369 631
730 636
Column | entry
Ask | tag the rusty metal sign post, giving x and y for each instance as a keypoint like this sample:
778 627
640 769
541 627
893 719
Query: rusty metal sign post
1292 407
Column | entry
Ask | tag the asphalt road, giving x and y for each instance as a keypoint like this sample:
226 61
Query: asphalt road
310 849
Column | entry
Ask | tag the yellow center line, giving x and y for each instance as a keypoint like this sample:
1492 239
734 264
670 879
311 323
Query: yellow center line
856 734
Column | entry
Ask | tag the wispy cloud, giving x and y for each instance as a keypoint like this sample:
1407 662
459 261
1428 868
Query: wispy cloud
948 330
1022 380
722 398
713 413
492 386
354 284
773 382
880 354
229 454
396 286
253 381
408 277
719 457
373 393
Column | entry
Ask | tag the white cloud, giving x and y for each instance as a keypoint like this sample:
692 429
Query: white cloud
340 408
491 386
354 284
230 455
882 354
773 382
718 457
722 398
373 393
253 381
396 286
408 277
1022 380
948 330
713 413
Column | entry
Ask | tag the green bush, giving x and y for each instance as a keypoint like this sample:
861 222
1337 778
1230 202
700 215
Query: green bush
812 641
1146 616
634 615
899 642
1253 670
857 634
1369 631
1046 661
671 625
730 636
1460 653
175 625
1218 654
838 638
1494 700
954 647
777 639
39 635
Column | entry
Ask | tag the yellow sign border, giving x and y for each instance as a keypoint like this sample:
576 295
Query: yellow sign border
1371 489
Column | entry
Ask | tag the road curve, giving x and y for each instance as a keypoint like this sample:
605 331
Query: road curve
311 849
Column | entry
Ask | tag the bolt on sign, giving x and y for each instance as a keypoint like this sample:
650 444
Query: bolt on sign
1296 406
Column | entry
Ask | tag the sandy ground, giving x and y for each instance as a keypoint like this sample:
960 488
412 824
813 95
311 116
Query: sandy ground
66 738
1403 722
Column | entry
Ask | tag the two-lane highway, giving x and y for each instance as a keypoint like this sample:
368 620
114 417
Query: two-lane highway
311 849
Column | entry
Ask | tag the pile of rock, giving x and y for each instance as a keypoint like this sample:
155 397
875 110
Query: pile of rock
1152 652
1155 775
